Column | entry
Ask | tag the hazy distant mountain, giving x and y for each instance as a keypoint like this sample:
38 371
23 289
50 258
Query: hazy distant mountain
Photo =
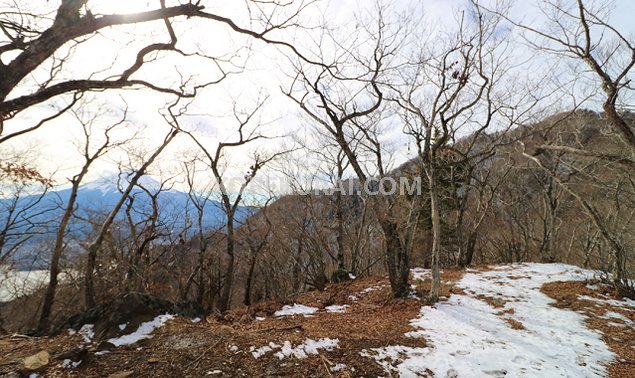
95 199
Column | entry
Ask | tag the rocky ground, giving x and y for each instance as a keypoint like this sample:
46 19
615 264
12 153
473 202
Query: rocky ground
529 319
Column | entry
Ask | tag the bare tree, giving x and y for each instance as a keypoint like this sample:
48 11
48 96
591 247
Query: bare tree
345 100
610 209
201 198
90 154
97 242
33 43
254 235
230 202
327 163
580 30
444 88
23 215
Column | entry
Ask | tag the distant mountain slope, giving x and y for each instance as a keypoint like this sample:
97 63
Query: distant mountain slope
177 212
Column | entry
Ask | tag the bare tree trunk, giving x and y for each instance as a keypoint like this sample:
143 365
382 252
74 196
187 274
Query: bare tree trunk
49 296
468 253
58 249
340 231
250 280
397 259
435 215
618 121
225 297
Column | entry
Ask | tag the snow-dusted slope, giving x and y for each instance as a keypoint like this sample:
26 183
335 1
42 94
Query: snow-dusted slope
14 284
468 337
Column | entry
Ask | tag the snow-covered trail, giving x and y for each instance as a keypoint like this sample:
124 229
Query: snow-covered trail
469 338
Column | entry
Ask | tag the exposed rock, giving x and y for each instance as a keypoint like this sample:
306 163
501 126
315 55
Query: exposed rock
36 361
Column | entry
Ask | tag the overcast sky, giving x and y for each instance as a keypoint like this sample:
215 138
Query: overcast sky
266 70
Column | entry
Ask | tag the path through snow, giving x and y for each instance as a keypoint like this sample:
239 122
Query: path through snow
469 338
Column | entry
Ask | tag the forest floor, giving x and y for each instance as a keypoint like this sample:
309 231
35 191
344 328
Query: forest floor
515 320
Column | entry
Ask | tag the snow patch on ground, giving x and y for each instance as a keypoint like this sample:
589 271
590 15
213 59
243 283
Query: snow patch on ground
466 336
296 309
420 274
626 304
338 367
336 308
287 349
618 316
87 332
69 364
259 352
143 332
370 289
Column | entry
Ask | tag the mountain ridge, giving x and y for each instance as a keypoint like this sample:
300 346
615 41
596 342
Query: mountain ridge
178 214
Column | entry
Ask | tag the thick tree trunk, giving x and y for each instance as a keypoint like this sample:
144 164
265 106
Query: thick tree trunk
618 121
397 259
467 254
396 254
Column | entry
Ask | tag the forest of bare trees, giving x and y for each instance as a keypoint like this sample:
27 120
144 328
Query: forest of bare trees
520 136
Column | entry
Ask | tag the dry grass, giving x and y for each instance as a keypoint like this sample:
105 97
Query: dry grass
515 324
495 302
